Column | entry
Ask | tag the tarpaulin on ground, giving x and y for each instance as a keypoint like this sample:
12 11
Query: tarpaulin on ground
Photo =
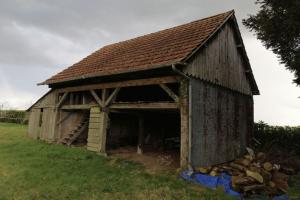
212 182
223 180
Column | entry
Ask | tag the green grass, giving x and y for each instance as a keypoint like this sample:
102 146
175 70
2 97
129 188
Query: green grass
32 169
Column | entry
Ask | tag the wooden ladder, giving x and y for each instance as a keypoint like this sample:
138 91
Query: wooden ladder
74 134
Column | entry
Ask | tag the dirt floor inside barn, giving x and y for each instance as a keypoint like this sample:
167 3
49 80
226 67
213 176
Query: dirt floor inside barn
153 161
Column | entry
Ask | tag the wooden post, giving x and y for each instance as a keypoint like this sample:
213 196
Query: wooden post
97 130
71 99
103 133
57 115
184 122
141 135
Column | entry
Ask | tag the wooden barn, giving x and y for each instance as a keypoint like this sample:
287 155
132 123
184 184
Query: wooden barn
186 90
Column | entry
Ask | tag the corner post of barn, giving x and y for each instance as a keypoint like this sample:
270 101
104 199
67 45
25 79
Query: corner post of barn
184 122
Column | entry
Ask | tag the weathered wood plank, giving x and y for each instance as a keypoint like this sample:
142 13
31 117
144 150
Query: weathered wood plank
63 98
98 100
92 149
95 125
169 92
222 63
97 130
78 107
159 105
133 105
95 119
94 145
33 125
120 84
184 130
112 97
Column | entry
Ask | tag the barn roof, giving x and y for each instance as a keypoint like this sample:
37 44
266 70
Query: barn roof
150 51
155 50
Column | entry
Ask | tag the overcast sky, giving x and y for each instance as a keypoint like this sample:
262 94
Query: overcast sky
39 38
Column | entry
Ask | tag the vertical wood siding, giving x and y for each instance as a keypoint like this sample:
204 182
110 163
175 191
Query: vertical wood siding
221 63
47 130
34 123
220 123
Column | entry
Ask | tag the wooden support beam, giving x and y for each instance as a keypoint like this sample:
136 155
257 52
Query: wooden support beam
63 98
71 98
57 114
104 95
79 107
112 97
169 92
129 106
145 106
140 146
98 100
184 123
120 84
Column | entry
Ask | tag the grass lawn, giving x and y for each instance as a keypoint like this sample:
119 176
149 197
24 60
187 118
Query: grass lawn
32 169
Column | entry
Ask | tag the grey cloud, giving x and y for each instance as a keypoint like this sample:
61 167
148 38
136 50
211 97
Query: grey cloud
38 38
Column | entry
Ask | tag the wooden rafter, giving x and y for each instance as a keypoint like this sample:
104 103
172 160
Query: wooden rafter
98 100
169 92
112 97
120 84
63 98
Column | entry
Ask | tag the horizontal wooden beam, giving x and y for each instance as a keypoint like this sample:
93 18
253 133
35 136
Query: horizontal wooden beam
129 106
120 84
146 106
78 107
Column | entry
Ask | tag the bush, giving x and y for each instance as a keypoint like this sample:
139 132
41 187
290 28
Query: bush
13 116
281 138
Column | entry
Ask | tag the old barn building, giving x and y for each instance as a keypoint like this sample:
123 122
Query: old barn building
186 90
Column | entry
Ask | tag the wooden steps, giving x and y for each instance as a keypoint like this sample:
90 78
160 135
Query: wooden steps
74 134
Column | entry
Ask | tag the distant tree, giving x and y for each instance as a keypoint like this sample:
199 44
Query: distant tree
277 25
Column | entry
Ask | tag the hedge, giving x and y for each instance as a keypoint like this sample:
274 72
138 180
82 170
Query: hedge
13 116
281 138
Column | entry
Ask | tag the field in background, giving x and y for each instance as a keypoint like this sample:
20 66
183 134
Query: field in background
31 169
13 116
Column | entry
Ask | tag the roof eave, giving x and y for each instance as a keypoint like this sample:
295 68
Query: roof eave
101 74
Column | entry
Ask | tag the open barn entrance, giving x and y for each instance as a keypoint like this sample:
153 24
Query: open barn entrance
149 137
148 117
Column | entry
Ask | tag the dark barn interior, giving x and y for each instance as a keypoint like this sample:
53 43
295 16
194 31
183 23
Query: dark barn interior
153 133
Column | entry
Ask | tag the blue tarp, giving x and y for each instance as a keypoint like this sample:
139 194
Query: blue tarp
213 182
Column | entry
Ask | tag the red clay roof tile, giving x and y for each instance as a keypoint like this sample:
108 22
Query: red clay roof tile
153 50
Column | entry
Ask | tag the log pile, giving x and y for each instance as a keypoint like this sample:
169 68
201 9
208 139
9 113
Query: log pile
253 174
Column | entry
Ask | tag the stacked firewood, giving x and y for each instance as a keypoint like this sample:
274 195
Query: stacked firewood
253 174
